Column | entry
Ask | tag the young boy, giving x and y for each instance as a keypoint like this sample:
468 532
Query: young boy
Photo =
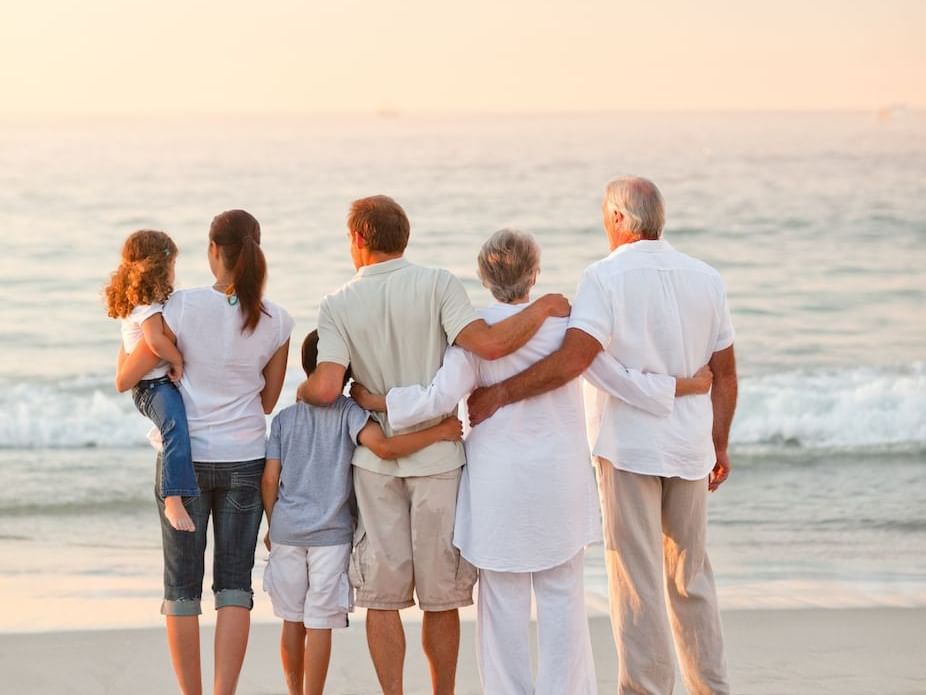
307 494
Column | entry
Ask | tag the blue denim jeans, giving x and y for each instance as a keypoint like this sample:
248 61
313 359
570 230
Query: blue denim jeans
230 494
160 401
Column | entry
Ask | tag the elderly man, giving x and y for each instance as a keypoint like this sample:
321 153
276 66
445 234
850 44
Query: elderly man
655 310
391 324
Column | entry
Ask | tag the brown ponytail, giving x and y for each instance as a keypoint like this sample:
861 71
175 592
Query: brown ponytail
237 234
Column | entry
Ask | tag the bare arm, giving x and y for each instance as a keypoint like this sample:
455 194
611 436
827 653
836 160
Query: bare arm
723 399
391 448
561 367
160 343
269 488
131 368
366 399
274 373
324 385
504 337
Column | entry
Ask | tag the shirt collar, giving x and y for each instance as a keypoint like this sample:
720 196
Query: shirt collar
383 267
644 246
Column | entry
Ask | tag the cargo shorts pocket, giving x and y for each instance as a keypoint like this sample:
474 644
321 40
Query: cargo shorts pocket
355 569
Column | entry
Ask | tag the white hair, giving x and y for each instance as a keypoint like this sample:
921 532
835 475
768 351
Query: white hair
508 264
640 202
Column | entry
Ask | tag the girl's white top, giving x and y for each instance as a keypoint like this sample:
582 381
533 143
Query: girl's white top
132 334
223 371
528 499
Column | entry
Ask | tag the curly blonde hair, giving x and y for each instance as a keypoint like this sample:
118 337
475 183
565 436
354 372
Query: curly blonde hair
143 276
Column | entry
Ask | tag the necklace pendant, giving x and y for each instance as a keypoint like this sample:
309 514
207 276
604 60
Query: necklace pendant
232 299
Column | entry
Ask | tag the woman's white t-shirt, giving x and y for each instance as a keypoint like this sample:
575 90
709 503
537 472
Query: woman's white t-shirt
223 371
132 334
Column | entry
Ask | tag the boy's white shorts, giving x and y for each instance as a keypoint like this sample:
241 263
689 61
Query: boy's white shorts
310 585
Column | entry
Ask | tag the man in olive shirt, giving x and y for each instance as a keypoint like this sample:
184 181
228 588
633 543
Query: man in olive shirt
392 324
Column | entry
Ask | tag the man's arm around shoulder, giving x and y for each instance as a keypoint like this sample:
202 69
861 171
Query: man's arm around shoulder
576 354
504 337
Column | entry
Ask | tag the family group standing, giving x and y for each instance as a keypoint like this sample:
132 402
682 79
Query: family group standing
514 505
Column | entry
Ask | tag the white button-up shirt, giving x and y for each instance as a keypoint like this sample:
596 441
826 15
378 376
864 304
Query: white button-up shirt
655 310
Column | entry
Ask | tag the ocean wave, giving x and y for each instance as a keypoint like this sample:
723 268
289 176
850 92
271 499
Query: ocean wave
80 412
857 408
881 408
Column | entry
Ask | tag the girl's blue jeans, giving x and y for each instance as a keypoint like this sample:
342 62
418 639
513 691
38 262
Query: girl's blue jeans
160 401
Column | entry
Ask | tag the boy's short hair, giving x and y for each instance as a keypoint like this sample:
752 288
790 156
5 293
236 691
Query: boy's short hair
310 356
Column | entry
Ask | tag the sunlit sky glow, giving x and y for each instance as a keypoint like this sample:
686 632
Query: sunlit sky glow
287 56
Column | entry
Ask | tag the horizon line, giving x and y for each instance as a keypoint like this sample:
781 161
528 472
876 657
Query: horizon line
387 112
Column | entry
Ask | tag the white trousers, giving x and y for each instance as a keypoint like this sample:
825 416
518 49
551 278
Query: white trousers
566 666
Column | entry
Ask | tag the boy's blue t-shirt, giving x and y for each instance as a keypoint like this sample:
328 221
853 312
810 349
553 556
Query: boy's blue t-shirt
315 446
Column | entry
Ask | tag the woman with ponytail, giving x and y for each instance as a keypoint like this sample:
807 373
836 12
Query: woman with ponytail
234 344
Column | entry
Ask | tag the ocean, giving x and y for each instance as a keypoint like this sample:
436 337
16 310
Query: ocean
817 221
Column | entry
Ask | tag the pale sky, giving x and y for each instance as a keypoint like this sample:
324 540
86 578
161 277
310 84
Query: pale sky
288 56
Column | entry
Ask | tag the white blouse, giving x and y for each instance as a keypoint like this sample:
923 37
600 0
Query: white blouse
528 499
223 371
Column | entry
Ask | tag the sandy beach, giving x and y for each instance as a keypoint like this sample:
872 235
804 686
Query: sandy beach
847 651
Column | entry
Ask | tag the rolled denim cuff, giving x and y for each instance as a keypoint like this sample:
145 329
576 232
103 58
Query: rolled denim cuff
180 492
181 606
242 598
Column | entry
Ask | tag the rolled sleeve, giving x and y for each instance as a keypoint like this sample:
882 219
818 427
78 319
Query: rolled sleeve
456 311
591 310
332 346
726 334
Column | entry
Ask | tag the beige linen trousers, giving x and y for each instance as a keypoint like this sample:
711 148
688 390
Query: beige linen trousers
655 530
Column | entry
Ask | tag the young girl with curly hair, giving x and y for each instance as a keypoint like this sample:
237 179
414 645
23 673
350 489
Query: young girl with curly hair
136 294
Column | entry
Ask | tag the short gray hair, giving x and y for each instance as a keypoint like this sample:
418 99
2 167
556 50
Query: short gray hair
508 264
640 202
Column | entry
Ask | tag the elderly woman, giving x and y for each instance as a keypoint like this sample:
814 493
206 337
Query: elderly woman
527 503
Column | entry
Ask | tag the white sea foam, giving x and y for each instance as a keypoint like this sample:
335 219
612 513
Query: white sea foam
77 413
834 408
863 407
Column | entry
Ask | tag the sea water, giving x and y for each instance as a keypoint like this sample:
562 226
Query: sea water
817 221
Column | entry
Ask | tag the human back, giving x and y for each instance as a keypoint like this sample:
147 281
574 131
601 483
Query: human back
223 379
392 324
658 311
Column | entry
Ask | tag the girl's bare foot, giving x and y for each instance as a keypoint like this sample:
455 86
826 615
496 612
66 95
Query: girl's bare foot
177 514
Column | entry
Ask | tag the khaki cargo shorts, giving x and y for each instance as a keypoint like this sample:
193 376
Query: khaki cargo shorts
404 543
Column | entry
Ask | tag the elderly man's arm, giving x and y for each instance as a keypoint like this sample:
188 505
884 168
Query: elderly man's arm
503 338
576 354
723 398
